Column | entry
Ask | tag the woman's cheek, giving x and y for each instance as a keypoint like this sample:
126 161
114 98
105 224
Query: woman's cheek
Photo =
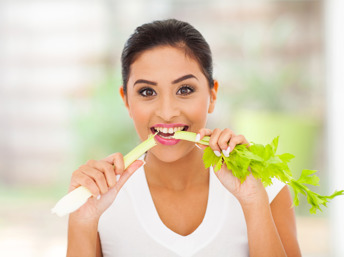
140 117
198 112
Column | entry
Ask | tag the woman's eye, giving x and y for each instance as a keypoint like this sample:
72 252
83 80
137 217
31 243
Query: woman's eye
147 92
185 90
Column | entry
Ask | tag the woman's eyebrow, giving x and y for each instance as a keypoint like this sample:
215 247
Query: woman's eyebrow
143 81
183 78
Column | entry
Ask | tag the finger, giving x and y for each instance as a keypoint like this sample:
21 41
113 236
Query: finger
118 162
223 140
80 179
128 172
204 132
112 157
237 140
108 170
97 176
213 142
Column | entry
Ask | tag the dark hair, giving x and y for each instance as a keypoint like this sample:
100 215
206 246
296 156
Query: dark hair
167 32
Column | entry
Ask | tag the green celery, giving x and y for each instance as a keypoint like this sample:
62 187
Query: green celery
262 160
264 164
190 136
76 198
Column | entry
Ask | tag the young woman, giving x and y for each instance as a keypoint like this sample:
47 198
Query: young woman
173 206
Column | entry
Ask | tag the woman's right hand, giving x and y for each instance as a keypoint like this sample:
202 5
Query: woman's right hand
100 178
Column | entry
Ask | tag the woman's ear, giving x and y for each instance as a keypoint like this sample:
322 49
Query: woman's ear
213 96
124 99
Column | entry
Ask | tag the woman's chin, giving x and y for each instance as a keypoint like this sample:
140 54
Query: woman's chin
171 153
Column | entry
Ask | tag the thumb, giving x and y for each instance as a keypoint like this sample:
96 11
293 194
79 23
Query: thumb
135 165
128 172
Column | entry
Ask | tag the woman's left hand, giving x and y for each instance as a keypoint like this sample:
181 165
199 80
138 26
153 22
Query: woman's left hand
223 142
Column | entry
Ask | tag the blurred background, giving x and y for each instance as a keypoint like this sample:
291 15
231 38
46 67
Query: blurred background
59 104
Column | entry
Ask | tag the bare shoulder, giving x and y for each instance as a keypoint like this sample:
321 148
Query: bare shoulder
284 218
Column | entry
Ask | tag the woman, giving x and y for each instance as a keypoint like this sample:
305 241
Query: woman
173 206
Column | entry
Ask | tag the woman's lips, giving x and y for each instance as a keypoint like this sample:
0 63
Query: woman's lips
166 138
166 141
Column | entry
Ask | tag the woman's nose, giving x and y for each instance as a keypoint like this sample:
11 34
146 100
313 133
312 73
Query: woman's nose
167 109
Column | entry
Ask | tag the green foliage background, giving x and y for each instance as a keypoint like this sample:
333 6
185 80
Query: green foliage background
102 124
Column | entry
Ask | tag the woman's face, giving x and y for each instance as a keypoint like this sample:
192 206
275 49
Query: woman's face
167 91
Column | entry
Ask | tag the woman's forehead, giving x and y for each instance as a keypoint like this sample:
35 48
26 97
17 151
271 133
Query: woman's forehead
164 61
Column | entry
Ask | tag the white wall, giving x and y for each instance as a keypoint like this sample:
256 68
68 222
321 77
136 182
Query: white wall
50 51
335 113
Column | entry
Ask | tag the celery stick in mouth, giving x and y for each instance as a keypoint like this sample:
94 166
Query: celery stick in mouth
168 133
76 198
191 136
263 161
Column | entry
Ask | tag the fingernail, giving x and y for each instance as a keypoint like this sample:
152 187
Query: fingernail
228 151
198 137
98 197
198 146
217 153
225 153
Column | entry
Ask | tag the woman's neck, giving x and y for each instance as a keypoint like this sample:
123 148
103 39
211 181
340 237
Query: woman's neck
179 175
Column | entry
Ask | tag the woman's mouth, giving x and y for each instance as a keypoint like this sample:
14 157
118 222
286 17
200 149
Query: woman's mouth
166 133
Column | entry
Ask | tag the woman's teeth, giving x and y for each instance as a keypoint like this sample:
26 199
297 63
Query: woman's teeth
168 130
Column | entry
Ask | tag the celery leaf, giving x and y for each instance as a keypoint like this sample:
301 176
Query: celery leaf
263 162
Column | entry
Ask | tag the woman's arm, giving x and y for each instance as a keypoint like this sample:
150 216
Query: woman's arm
263 237
271 228
100 178
284 218
99 252
82 238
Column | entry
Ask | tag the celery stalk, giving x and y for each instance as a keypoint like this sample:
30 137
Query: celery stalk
76 198
139 150
190 136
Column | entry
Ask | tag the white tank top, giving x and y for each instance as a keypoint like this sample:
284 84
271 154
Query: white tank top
131 225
